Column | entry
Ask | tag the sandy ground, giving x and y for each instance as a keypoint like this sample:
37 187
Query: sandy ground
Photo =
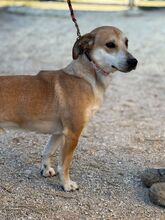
124 137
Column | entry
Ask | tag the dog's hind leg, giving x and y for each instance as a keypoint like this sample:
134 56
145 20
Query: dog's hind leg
48 155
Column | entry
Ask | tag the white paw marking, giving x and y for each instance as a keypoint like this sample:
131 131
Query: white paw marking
70 186
48 172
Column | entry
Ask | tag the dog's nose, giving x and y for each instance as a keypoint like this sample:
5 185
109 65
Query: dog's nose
132 62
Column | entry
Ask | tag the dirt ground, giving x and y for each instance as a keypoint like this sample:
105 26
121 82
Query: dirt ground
124 137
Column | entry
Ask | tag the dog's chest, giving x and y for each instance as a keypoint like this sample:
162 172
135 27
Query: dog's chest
95 105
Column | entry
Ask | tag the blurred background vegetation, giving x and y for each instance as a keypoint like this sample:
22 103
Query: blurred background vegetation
86 4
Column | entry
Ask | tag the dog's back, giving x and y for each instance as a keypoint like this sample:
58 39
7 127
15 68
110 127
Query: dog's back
34 102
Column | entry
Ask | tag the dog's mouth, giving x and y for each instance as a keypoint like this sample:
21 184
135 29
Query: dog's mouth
114 67
129 69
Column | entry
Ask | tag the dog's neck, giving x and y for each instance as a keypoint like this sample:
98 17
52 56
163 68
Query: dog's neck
83 68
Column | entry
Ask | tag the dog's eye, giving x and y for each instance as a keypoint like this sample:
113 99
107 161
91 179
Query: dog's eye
110 45
126 42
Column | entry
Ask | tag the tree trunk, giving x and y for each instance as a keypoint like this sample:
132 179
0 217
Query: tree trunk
131 4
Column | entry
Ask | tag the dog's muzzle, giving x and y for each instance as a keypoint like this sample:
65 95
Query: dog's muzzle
132 63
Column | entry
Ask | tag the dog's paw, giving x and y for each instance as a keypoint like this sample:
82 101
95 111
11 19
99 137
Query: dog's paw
47 172
70 186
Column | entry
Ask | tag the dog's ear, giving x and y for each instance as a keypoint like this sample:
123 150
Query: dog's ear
83 44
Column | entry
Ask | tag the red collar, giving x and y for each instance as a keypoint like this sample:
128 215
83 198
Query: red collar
95 66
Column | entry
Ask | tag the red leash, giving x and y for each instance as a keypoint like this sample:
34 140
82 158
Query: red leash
73 18
96 67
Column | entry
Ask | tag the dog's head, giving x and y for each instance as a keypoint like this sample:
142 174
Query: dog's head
108 47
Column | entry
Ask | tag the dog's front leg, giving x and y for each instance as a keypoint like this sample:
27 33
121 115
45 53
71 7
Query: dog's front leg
71 141
48 155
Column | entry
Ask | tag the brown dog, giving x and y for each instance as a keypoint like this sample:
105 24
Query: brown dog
62 102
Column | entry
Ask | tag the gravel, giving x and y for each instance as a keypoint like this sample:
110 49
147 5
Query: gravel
126 136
